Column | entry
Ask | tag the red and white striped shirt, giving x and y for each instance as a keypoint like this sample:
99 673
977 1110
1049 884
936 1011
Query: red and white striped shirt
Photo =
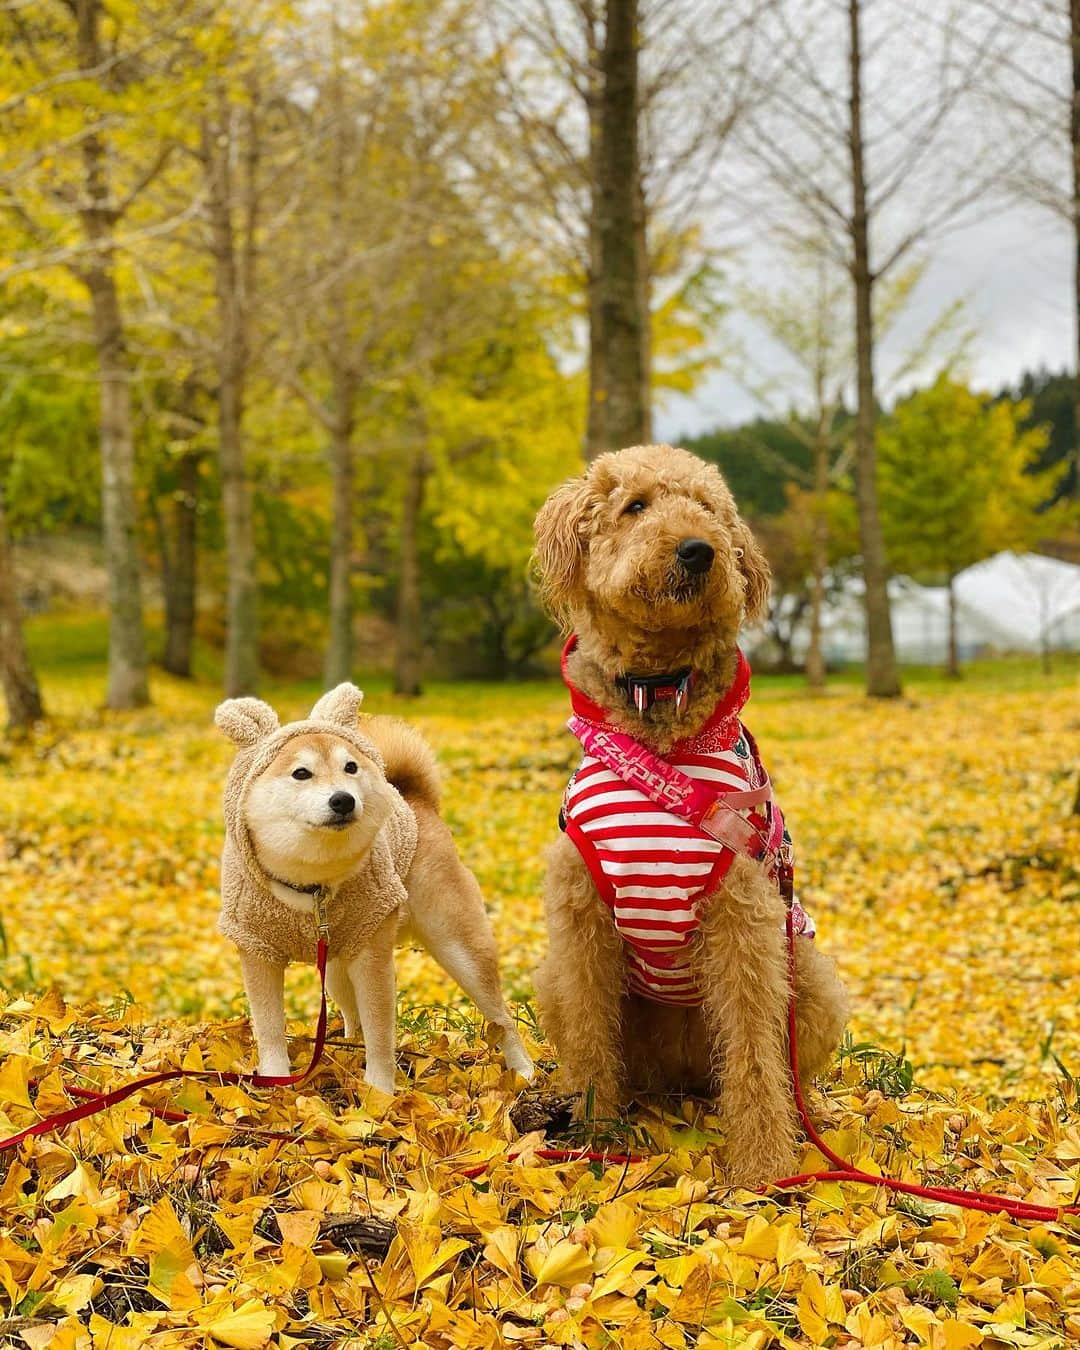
653 867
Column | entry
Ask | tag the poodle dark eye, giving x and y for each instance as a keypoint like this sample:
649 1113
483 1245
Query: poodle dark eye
301 774
634 508
707 506
351 766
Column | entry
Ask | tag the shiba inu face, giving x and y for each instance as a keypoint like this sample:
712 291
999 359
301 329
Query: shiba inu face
315 810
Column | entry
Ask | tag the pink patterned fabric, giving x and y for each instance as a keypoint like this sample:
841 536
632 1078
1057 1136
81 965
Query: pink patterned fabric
647 851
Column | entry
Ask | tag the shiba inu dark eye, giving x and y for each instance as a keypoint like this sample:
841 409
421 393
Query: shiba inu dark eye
634 508
350 767
301 773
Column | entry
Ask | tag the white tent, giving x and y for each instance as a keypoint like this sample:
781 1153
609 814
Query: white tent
1038 598
1008 603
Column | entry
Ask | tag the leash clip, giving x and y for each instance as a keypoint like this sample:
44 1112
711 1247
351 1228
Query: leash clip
322 923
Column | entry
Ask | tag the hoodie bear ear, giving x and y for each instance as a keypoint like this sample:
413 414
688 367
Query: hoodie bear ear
340 705
246 720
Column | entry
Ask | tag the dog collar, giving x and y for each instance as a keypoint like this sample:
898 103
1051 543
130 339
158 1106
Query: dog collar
300 890
729 706
645 690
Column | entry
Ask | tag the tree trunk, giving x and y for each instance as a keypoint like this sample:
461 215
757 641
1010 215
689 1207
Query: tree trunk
408 658
819 559
952 668
232 293
623 326
596 441
178 569
1074 138
339 653
127 679
882 680
17 675
644 304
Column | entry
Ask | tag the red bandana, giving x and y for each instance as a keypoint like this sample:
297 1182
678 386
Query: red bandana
723 726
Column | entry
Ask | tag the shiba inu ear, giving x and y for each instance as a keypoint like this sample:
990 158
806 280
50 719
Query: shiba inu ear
246 720
340 705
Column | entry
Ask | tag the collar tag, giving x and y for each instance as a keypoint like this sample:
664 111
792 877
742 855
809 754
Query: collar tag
645 690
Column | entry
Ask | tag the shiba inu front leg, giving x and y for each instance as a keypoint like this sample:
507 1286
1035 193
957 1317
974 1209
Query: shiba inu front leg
264 984
372 977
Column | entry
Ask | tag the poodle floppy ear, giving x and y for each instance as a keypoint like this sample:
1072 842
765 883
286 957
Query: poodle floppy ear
754 566
340 705
560 528
246 720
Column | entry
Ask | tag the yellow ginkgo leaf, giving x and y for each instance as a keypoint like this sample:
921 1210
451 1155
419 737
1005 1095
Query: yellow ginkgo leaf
811 1308
614 1268
247 1326
564 1264
81 1181
15 1080
615 1225
161 1230
502 1251
959 1335
427 1252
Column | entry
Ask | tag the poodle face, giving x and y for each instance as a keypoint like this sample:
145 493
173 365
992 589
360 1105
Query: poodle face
649 537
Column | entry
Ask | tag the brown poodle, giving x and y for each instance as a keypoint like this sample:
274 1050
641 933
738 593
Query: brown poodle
646 560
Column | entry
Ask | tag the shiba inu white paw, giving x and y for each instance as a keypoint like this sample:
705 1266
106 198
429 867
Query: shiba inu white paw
516 1056
383 1080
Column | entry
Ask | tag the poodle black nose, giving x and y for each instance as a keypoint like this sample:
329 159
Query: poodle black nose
695 555
342 803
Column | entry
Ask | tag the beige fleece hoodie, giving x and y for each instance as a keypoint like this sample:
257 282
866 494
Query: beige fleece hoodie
251 915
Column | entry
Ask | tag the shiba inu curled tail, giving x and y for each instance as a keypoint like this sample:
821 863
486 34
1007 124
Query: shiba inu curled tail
352 810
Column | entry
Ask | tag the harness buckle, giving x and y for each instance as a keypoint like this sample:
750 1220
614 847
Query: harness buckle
322 923
727 827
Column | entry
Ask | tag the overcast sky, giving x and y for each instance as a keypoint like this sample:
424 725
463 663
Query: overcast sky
1012 269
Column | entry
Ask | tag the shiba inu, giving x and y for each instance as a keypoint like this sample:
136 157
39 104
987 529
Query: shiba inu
347 814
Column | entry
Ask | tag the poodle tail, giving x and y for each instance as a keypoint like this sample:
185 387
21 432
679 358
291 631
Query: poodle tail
410 761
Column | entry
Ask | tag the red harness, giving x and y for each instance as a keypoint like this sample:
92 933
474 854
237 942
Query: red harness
659 835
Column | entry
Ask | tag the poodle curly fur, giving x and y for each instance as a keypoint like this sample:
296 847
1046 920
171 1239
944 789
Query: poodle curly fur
613 577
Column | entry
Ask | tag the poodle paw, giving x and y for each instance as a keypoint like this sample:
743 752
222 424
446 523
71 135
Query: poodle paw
596 1106
754 1171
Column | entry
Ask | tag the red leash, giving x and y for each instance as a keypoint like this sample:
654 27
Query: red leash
1023 1210
99 1101
95 1102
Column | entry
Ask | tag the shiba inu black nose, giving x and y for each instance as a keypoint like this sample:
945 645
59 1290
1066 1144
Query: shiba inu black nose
695 555
342 803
